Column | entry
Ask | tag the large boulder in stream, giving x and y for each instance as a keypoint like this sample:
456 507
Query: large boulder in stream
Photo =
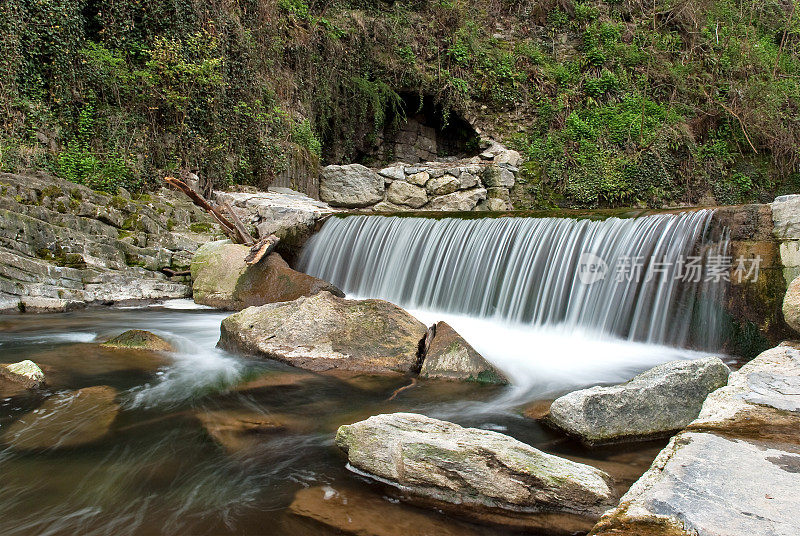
479 473
448 356
325 332
655 403
222 278
733 471
65 420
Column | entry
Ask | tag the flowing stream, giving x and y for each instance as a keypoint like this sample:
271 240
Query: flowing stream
160 471
515 288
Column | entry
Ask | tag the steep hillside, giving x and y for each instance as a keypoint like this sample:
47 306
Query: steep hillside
614 102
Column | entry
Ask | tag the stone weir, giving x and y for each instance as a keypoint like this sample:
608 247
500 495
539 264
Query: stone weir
480 183
64 246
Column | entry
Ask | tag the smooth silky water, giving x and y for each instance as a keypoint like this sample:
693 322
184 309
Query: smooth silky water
160 472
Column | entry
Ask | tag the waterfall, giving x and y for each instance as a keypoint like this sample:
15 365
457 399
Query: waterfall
626 278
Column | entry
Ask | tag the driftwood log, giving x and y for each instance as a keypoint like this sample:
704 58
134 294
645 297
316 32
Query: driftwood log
233 228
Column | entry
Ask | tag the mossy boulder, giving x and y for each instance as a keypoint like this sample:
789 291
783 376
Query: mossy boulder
450 357
25 374
138 339
325 332
222 278
65 420
481 473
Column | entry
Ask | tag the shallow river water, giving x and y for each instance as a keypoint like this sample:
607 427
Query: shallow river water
160 471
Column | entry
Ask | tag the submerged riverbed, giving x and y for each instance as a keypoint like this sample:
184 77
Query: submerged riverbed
160 471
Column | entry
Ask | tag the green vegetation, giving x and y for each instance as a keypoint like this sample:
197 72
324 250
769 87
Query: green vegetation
612 102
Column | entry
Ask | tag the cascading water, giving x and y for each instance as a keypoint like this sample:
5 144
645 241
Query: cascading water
515 285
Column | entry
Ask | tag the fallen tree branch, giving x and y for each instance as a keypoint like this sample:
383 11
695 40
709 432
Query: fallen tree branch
230 229
261 249
172 273
240 228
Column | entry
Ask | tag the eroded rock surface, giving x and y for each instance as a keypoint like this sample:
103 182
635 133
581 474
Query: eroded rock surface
351 186
65 420
63 246
478 470
655 403
733 471
324 332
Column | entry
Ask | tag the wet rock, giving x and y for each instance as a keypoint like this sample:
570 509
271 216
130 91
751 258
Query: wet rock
461 201
450 357
224 280
25 374
791 305
354 511
65 420
324 332
403 193
653 404
734 470
238 430
478 470
139 339
351 186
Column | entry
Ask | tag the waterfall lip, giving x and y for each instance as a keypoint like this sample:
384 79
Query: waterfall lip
519 273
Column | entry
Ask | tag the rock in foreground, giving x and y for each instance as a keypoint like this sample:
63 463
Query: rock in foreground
65 420
450 357
139 339
325 332
482 472
222 278
25 374
734 471
655 403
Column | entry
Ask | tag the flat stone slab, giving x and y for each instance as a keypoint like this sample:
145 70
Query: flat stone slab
487 475
734 471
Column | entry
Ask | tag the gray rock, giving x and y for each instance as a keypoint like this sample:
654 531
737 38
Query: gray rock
791 305
461 201
385 206
446 184
498 176
351 186
735 470
467 180
394 173
325 332
786 217
655 403
403 193
450 357
474 469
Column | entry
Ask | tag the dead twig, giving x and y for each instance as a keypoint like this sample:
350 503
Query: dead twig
261 249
